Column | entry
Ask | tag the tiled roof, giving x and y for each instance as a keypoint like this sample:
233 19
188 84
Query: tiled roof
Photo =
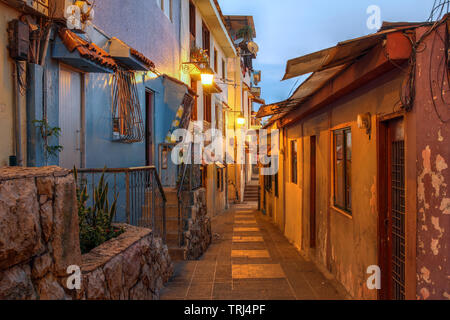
86 49
138 55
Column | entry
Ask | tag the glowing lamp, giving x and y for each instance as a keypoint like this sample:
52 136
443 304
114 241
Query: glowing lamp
240 120
207 79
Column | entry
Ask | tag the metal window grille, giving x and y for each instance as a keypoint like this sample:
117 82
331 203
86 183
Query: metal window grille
398 220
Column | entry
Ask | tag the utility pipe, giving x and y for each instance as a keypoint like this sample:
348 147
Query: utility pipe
17 115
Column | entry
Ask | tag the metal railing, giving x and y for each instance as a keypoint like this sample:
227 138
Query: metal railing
140 196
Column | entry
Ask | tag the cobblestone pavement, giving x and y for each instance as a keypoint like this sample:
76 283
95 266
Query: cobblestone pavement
249 259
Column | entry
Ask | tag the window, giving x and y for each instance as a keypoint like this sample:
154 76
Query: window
216 66
268 182
192 22
207 107
224 70
206 39
167 7
276 185
194 116
342 165
294 174
220 178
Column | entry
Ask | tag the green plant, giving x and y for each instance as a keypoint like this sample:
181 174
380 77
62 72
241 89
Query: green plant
96 222
47 132
245 32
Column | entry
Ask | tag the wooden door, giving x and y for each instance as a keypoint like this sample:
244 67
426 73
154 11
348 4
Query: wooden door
391 232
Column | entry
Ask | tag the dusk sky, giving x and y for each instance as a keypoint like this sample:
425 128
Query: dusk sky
288 29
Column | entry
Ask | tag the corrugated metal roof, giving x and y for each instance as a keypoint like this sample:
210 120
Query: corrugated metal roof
342 53
325 65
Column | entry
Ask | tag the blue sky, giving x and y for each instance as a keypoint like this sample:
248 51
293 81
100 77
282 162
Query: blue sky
288 29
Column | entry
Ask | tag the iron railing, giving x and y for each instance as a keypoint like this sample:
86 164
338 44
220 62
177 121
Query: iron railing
141 199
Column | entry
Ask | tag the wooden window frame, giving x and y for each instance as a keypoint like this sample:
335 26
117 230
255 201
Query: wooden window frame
291 165
206 39
192 21
344 211
207 107
216 60
224 70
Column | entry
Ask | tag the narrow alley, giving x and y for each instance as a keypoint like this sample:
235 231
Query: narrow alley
249 259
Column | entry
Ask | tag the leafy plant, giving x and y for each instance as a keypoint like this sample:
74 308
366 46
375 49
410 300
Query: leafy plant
46 133
199 55
96 222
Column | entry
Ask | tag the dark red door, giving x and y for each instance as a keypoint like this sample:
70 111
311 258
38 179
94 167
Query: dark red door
392 209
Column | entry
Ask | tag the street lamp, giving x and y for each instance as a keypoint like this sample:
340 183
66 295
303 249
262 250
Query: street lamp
207 77
240 120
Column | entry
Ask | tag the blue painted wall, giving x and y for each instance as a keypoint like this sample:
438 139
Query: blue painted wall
145 27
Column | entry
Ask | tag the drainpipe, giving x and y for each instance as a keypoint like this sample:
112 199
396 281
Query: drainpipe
17 116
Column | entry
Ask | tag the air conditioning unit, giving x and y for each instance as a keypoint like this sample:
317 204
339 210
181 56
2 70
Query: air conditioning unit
58 8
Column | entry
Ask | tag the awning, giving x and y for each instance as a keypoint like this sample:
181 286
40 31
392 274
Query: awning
81 54
129 57
344 52
214 88
258 100
316 81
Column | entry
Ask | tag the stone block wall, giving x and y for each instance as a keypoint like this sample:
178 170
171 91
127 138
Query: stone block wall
38 232
39 240
198 236
133 266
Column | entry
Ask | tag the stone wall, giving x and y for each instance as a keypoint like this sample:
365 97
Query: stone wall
198 236
39 240
133 266
38 232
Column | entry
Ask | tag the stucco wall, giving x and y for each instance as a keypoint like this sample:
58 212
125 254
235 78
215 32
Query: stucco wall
433 173
145 27
347 245
7 96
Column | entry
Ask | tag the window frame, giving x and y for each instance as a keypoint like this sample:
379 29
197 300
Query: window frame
291 164
207 107
346 210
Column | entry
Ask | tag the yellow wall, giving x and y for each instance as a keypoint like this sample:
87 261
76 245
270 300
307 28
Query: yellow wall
7 96
347 245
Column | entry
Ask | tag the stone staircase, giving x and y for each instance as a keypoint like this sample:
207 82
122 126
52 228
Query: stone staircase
176 253
251 193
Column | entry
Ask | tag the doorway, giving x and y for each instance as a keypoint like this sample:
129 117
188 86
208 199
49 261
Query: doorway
392 202
312 193
70 108
149 145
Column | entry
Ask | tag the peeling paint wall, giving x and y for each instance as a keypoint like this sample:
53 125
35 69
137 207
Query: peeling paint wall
433 173
346 245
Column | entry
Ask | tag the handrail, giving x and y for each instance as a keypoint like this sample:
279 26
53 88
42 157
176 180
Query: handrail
180 187
125 170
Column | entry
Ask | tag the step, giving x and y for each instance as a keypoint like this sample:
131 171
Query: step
171 211
171 224
171 195
172 239
176 254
